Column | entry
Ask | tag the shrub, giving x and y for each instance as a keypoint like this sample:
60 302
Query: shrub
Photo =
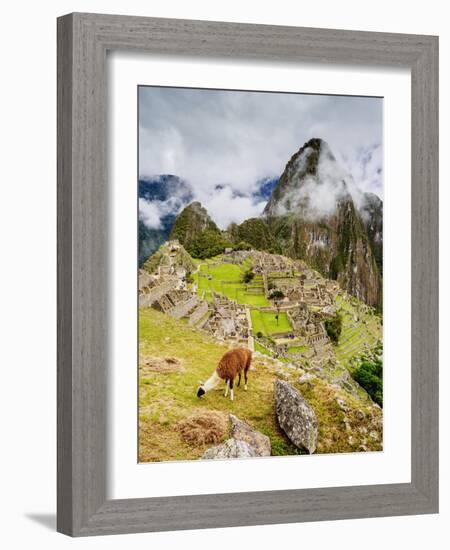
333 326
208 244
369 376
276 295
242 245
248 275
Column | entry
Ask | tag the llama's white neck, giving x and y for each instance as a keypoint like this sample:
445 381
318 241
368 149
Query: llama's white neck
212 382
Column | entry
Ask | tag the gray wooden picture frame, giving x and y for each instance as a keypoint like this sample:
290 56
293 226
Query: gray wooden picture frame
83 41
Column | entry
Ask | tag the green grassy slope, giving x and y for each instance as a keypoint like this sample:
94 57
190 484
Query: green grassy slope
226 279
167 398
357 335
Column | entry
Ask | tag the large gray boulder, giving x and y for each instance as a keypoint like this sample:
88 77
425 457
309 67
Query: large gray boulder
231 448
295 416
241 431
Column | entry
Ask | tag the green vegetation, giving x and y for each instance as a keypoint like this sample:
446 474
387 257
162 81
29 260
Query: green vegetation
182 259
333 326
276 295
167 398
369 375
197 232
242 245
297 349
361 330
226 279
255 232
267 324
248 275
208 244
262 349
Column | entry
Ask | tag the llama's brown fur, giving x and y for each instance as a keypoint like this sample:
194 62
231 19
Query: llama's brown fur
233 363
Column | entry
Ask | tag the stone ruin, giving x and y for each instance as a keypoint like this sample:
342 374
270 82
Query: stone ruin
166 289
227 320
236 256
273 263
308 324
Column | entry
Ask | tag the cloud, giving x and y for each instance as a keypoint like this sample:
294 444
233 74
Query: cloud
225 207
314 195
234 139
151 212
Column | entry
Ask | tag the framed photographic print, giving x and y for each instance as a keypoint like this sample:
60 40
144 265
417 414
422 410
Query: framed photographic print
247 274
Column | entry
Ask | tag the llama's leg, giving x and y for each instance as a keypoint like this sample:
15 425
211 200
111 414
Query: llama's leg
246 369
239 380
246 377
227 384
231 390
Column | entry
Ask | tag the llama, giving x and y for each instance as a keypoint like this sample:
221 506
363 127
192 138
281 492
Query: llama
232 363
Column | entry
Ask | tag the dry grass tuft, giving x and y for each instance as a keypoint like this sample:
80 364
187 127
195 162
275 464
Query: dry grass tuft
149 365
203 428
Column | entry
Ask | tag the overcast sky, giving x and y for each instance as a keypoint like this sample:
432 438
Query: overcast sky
234 139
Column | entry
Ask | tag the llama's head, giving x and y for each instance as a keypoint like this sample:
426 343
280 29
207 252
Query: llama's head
201 390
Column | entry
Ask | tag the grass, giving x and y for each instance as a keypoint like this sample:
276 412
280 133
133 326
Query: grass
226 279
365 333
262 349
332 434
165 399
297 349
266 323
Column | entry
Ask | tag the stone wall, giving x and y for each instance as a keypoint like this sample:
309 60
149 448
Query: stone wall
146 299
182 309
198 313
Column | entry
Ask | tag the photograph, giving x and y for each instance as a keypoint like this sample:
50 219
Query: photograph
260 274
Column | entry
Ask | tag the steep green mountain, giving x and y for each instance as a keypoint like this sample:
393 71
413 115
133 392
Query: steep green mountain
196 231
372 215
312 216
255 232
192 221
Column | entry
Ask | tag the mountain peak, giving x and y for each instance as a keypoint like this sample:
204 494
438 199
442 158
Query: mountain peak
191 222
312 184
197 208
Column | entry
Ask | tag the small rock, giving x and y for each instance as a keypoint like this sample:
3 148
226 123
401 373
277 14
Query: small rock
341 403
360 414
362 448
241 431
231 448
374 435
305 378
295 416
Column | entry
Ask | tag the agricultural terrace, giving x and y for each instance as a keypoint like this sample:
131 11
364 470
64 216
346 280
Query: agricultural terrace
226 279
361 330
